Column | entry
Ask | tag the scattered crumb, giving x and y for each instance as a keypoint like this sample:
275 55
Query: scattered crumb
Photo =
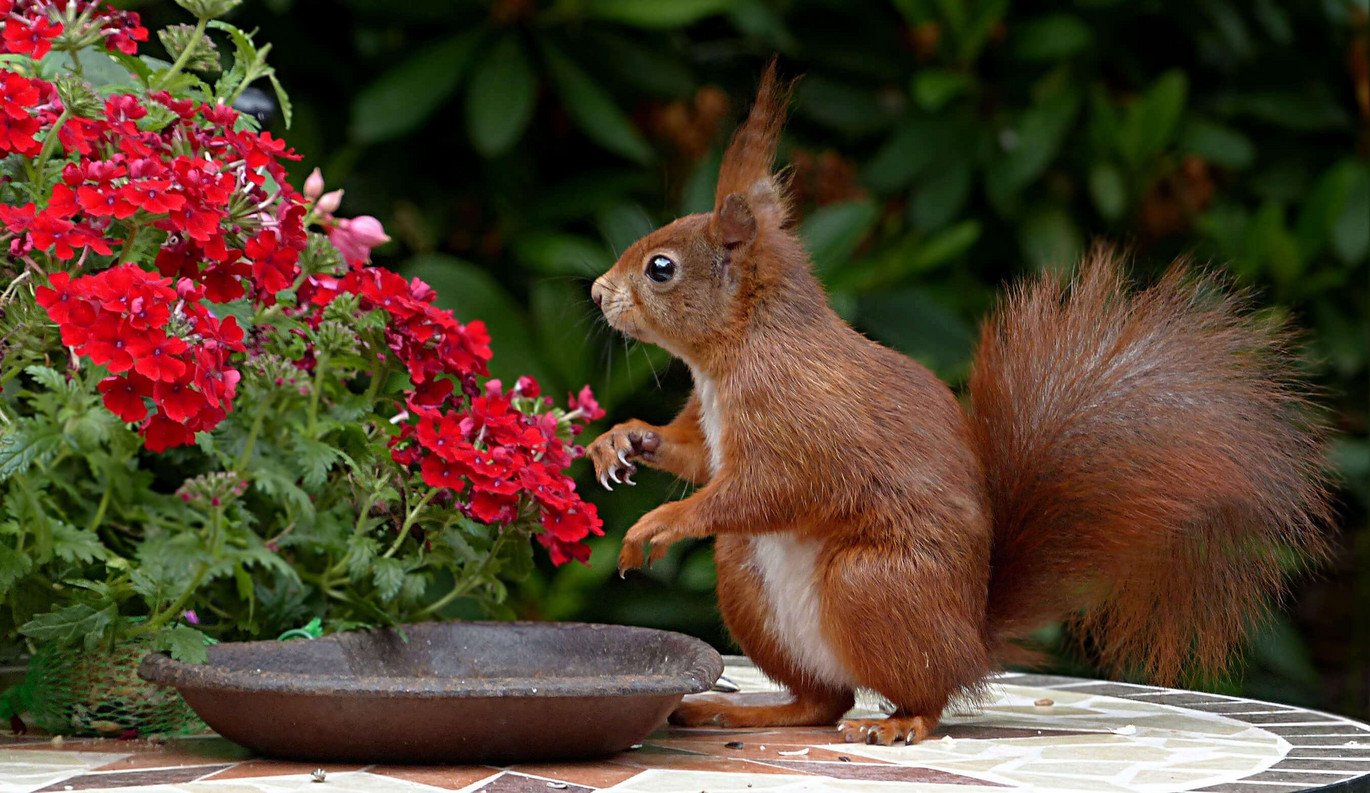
734 745
635 746
557 785
1044 702
796 752
1128 730
56 742
948 740
843 758
319 775
763 748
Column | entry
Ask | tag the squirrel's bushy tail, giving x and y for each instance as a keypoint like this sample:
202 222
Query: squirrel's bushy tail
1152 462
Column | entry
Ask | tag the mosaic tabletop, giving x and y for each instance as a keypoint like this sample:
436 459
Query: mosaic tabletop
1030 733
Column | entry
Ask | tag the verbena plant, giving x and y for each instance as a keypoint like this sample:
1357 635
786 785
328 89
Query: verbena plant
216 421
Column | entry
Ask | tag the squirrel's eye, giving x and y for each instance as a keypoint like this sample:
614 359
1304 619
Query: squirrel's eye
660 269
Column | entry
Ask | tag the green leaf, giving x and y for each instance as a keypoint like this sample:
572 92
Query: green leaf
1351 234
1324 207
850 109
76 545
1151 119
282 99
1052 37
22 444
80 622
1217 144
655 13
1049 237
832 233
400 100
920 325
185 644
593 110
933 88
550 253
49 378
361 553
316 458
389 577
499 103
1033 143
13 566
1108 188
941 196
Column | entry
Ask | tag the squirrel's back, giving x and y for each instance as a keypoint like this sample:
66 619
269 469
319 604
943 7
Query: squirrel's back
1152 464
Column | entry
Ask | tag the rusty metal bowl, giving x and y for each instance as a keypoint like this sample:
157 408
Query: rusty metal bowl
457 692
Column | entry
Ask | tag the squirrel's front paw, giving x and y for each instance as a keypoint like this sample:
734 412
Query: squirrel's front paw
613 452
662 528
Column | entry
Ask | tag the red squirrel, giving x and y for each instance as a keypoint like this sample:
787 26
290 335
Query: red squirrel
1136 461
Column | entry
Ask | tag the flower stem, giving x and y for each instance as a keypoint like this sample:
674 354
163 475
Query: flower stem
128 243
409 522
166 616
76 63
49 143
184 57
320 368
252 434
100 510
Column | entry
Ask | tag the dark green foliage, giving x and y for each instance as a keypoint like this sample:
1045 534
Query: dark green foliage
939 148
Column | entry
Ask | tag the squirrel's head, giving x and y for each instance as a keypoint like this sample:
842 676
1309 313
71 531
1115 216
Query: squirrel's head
689 285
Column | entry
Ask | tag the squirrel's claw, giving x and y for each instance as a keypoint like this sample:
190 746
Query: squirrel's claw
604 481
613 474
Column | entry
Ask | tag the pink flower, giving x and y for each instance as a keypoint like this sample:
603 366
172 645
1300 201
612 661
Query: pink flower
584 405
313 186
329 202
355 237
192 617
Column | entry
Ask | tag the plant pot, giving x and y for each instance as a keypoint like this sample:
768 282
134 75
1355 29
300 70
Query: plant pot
72 691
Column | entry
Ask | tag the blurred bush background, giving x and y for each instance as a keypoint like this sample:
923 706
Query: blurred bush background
938 148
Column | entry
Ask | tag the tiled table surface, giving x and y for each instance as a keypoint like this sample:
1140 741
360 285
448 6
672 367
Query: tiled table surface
1093 736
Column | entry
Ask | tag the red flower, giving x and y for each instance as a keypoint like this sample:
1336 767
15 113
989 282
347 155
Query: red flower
108 201
585 404
124 396
31 37
440 473
161 433
178 400
154 356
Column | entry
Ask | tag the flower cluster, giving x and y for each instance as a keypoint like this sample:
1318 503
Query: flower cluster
476 442
34 27
158 343
217 192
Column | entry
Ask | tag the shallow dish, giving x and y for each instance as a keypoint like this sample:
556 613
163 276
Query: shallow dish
457 692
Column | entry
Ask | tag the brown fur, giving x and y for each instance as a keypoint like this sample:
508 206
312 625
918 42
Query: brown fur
1132 460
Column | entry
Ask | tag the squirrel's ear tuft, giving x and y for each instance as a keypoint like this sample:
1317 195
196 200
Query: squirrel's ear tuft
746 167
734 225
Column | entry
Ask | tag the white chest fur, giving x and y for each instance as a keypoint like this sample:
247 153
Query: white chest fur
787 565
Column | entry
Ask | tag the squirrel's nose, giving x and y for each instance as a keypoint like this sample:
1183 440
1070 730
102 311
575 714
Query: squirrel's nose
597 293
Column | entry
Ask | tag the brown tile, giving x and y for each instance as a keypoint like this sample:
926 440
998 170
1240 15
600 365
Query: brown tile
753 751
594 775
881 773
161 776
263 767
1181 698
1333 752
698 762
171 758
1289 717
518 783
1240 706
1306 778
1238 787
449 777
1322 764
1039 681
1345 728
1111 689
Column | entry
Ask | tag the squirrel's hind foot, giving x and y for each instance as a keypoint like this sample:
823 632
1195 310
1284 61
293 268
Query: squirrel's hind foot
886 731
715 711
